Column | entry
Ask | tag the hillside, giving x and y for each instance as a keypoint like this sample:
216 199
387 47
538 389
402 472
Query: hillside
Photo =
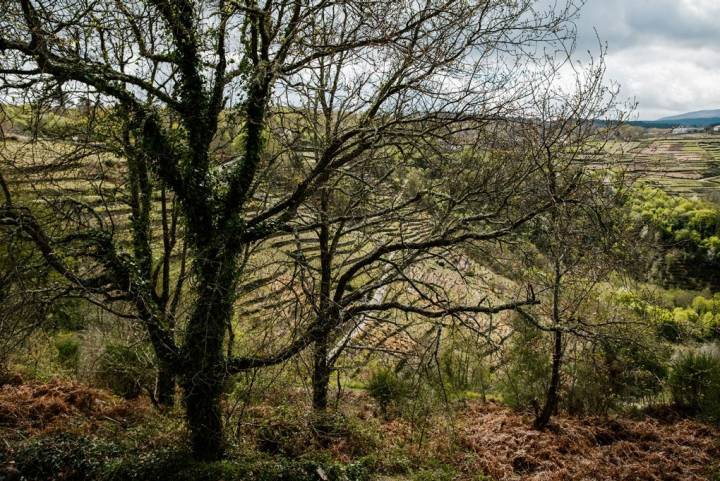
356 241
700 122
685 165
699 114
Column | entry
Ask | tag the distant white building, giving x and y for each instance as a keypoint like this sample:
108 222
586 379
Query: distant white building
686 130
716 128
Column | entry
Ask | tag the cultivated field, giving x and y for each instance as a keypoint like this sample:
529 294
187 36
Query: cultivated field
686 165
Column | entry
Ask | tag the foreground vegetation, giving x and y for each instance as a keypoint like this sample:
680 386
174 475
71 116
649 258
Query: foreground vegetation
342 241
66 431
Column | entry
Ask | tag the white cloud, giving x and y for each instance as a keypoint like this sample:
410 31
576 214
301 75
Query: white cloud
664 53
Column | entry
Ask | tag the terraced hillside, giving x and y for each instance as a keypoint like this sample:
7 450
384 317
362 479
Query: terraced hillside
43 174
686 165
50 177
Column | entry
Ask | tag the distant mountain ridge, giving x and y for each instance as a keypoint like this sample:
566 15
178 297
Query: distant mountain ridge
697 115
671 124
699 119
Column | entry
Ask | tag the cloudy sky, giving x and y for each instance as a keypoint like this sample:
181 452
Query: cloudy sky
664 53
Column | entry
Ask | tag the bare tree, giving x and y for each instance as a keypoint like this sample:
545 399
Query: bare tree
579 244
182 77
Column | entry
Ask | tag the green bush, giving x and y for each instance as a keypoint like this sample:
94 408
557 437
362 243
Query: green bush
359 437
125 370
68 351
461 372
388 390
284 434
695 382
619 373
587 390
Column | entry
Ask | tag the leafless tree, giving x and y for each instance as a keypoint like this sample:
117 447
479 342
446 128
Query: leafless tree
189 91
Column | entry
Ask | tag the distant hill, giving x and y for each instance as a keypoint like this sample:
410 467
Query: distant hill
669 124
700 114
700 118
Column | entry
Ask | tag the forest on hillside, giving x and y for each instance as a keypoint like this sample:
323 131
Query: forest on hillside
344 240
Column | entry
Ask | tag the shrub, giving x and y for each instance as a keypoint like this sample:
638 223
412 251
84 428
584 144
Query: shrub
587 390
669 329
695 382
353 436
125 370
388 389
68 351
461 372
284 434
637 366
620 372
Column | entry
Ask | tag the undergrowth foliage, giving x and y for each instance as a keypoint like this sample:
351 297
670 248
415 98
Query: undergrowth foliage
695 382
127 370
389 390
67 457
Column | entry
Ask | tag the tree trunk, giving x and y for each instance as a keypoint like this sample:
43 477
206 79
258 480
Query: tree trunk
204 416
165 386
551 400
204 363
321 375
321 365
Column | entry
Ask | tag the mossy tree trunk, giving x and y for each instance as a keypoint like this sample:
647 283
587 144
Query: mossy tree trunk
204 366
322 367
165 383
